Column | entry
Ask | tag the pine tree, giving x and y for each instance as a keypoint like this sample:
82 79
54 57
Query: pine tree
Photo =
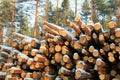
118 12
6 15
46 10
61 19
36 21
85 11
12 24
24 26
65 8
57 13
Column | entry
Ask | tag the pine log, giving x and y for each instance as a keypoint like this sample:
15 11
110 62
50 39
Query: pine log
66 35
82 74
58 40
90 25
74 26
78 21
15 44
83 40
58 57
39 58
49 30
2 75
34 52
48 35
66 59
53 26
6 49
36 75
112 26
104 76
86 29
98 27
65 71
76 56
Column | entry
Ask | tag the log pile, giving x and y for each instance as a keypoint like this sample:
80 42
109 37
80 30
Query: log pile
87 52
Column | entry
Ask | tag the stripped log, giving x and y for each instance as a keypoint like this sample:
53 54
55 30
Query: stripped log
84 52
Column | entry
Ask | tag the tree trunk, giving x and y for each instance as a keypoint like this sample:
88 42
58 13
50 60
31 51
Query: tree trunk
1 34
57 13
36 20
91 10
75 8
47 7
118 14
65 15
12 24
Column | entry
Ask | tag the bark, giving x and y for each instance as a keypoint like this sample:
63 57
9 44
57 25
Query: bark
118 15
12 25
36 20
91 10
1 34
57 13
47 7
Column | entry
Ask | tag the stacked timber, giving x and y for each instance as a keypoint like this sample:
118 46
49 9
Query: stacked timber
87 52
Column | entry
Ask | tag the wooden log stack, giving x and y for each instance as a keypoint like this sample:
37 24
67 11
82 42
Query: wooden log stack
87 52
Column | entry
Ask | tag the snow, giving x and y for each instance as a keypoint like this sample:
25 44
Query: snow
35 50
15 52
62 69
16 40
14 68
28 79
28 9
81 62
5 47
5 53
2 73
26 39
20 55
8 76
29 39
117 29
47 74
6 64
80 70
1 58
20 35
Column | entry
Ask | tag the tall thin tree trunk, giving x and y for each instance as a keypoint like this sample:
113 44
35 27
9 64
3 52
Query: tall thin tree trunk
57 13
36 20
1 27
12 24
47 7
1 34
65 17
91 10
75 8
118 14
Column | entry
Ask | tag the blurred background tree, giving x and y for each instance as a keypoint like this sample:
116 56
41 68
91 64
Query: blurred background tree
102 11
85 13
6 16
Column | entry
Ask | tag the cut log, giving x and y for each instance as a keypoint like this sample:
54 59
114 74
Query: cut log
112 26
74 26
82 74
